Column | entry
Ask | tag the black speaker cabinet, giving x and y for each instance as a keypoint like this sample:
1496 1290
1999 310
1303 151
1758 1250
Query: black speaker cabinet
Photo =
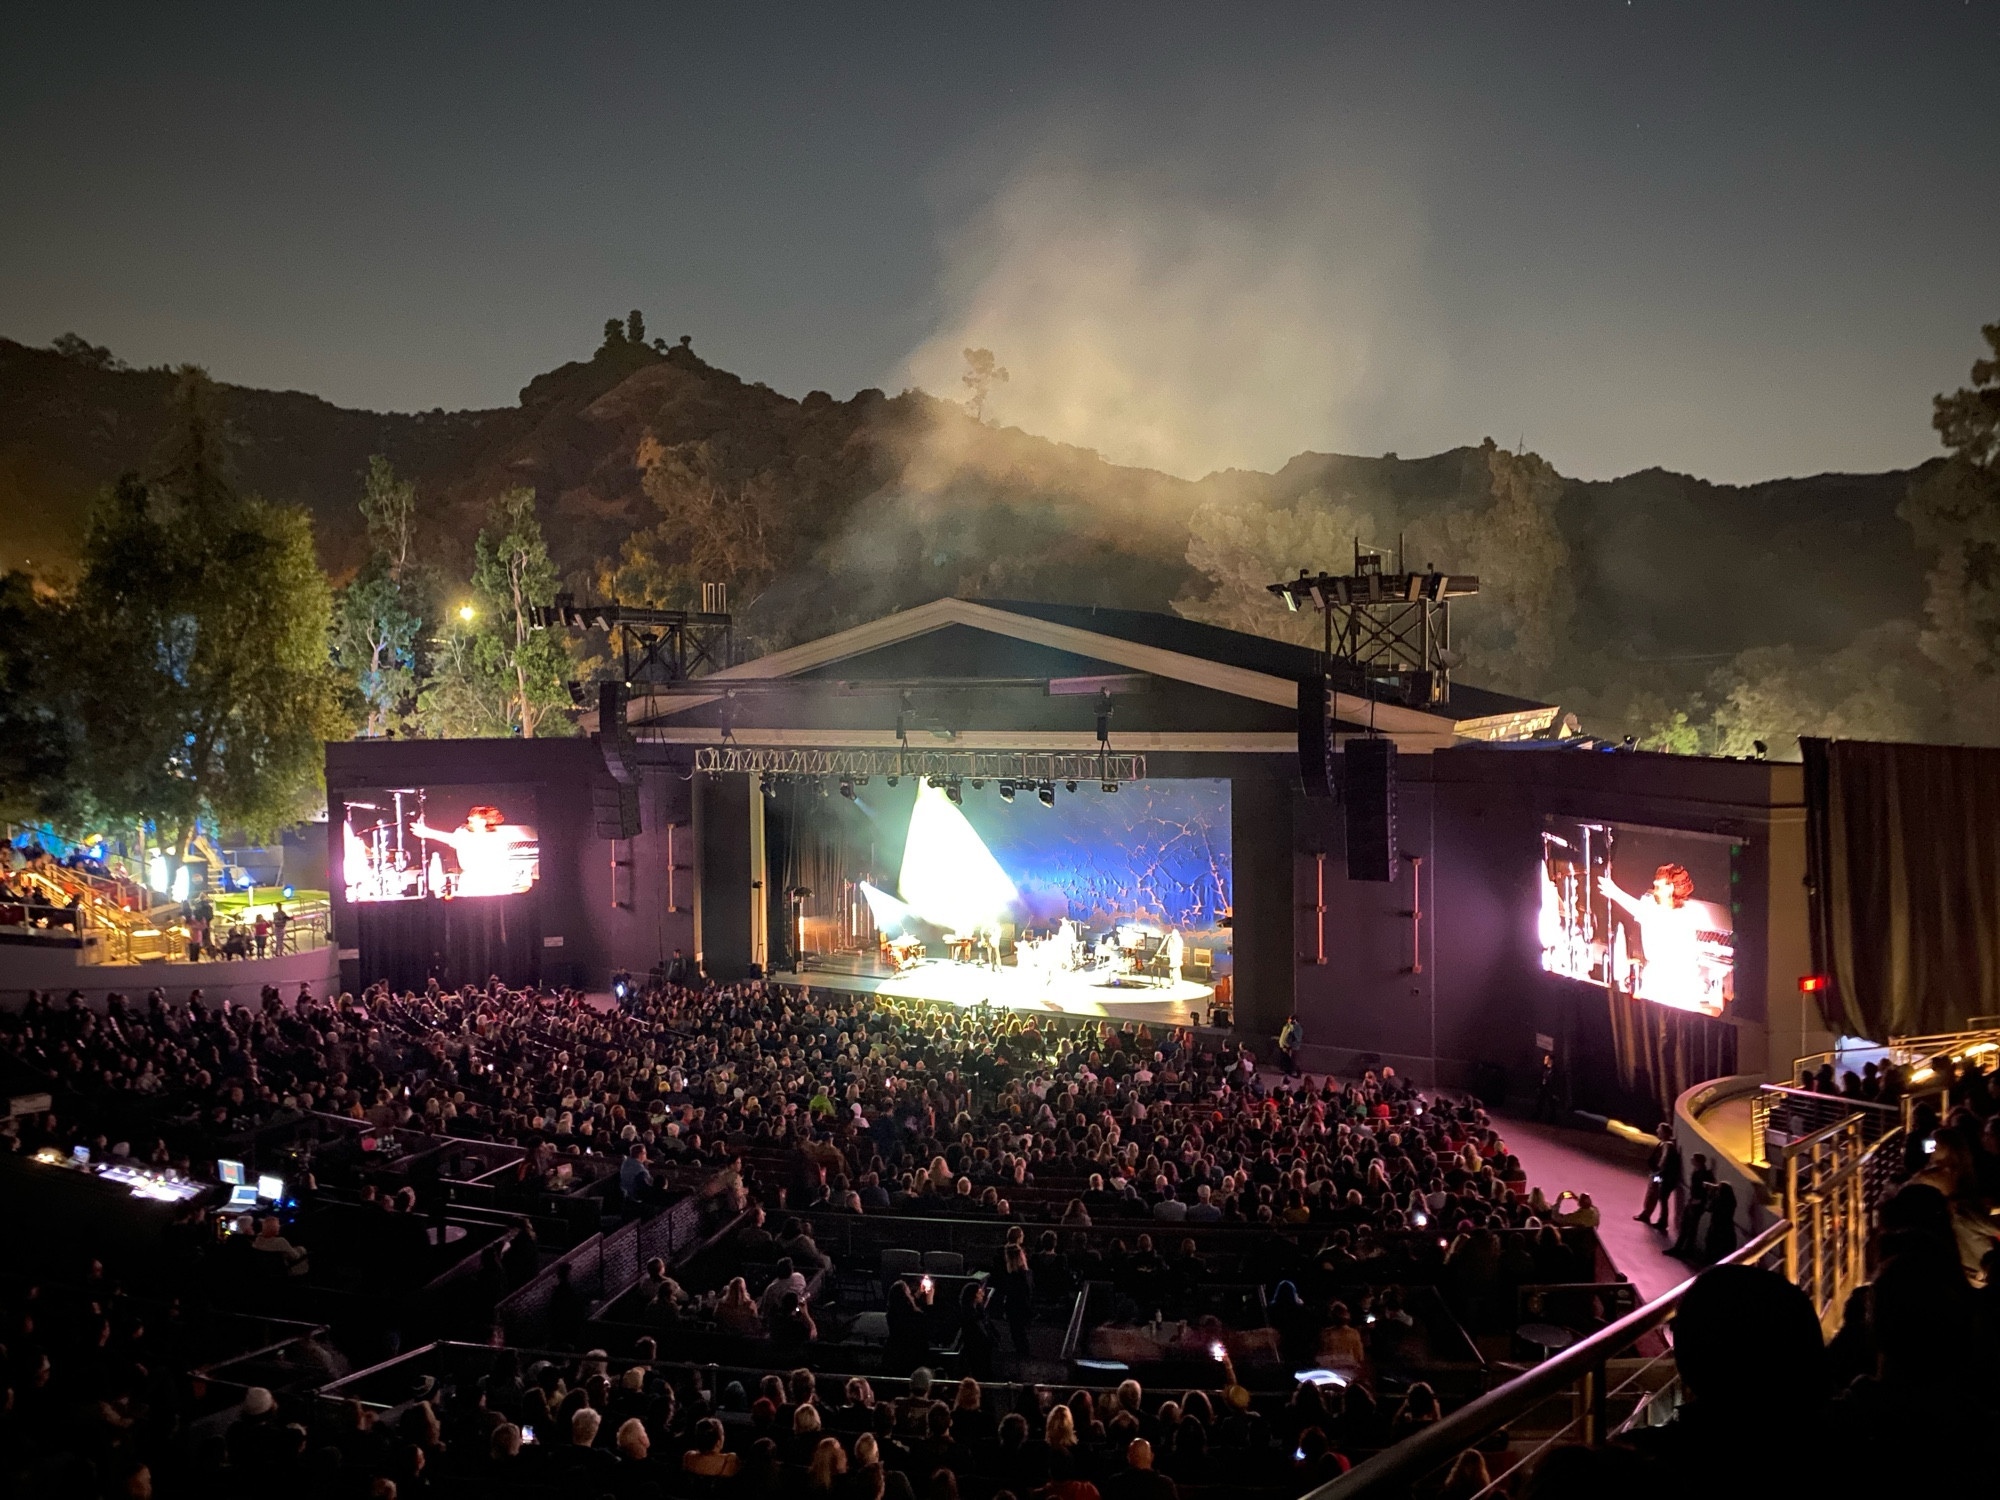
1315 738
1370 797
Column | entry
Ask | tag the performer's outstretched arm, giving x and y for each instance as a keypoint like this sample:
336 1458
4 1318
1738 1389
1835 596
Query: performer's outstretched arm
1610 888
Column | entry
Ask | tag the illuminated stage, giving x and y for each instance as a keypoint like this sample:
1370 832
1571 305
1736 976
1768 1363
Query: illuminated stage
1074 993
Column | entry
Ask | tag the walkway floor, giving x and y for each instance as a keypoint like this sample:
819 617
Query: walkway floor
1613 1172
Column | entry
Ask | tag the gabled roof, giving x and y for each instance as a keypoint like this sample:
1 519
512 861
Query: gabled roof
1256 653
1166 646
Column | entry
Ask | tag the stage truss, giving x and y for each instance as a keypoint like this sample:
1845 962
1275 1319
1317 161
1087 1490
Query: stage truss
936 765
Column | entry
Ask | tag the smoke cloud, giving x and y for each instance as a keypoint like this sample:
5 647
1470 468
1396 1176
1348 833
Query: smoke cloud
1168 330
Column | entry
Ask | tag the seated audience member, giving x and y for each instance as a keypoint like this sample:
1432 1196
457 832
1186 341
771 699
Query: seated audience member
1753 1367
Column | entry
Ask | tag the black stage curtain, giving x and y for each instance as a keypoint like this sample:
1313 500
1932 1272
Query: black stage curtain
823 842
1903 883
1661 1052
457 942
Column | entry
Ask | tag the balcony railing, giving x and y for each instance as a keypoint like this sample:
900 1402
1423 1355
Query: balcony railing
1595 1391
153 940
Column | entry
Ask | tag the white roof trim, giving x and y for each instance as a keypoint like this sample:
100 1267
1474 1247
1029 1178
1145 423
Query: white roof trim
908 624
1135 742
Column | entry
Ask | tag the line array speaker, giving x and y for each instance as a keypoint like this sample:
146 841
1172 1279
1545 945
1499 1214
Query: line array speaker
1315 736
1369 793
617 810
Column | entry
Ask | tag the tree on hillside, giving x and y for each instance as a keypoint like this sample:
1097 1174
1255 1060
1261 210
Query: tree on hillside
379 617
389 507
80 350
614 332
497 675
203 684
1879 687
1518 631
37 735
982 373
1240 550
715 526
1956 516
635 327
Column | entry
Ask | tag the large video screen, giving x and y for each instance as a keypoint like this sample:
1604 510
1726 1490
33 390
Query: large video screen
443 842
1643 911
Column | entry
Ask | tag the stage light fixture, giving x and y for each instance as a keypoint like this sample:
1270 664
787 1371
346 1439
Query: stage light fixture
847 787
1108 786
1047 792
1006 791
894 779
978 782
954 792
1069 786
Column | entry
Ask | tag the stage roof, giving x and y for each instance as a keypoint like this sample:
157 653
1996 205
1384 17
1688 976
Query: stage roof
952 644
1236 648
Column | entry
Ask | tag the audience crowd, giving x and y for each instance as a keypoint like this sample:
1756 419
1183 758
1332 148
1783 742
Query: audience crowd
805 1104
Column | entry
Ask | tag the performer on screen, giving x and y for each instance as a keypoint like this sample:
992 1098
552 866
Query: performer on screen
485 861
1671 972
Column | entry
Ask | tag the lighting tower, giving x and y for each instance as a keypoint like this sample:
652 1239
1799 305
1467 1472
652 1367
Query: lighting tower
1390 631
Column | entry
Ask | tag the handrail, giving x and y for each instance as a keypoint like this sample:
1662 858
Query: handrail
1442 1441
1841 1099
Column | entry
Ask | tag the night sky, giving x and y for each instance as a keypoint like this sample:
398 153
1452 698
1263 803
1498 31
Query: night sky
1736 240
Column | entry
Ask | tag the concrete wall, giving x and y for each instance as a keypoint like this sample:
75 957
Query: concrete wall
25 967
1694 1116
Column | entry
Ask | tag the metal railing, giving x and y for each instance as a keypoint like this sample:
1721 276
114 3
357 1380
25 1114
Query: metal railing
164 939
1781 1118
1581 1375
1780 1115
1981 1035
1831 1186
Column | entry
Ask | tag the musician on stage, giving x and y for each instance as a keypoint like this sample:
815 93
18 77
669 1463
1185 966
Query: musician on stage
1172 950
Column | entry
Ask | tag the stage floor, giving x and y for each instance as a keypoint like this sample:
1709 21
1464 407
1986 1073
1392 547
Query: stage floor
1071 994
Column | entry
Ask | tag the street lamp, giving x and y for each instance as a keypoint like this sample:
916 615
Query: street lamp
465 613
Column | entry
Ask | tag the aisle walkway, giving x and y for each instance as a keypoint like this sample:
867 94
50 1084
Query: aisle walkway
1613 1172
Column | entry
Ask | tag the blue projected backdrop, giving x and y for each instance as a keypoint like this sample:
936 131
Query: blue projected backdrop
1153 852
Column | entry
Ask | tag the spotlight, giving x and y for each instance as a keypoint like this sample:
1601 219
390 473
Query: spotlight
1047 792
1006 791
1108 786
953 792
1069 786
978 782
861 781
894 779
847 787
